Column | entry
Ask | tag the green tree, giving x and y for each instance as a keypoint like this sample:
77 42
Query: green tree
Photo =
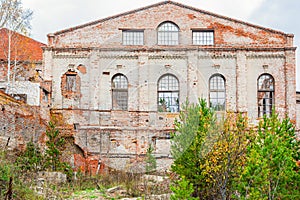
195 122
182 190
150 160
222 165
209 154
31 159
54 143
271 171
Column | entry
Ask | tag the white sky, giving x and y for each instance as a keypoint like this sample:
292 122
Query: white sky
54 15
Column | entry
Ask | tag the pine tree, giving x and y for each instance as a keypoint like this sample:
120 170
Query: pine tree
271 171
195 122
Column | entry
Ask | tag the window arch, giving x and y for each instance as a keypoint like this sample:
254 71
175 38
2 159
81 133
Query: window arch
265 94
167 34
119 92
168 93
217 92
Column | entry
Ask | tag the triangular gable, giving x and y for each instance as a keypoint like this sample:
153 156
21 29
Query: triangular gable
176 4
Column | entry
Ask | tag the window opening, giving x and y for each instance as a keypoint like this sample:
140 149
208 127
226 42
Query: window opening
120 92
203 37
168 94
168 34
265 95
133 37
217 97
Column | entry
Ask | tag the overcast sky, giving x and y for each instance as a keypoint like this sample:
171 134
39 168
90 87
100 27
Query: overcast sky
54 15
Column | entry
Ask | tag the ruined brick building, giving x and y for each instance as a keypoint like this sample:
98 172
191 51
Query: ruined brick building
21 79
19 123
120 81
22 110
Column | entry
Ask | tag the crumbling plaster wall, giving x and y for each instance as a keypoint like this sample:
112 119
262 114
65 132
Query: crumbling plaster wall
30 89
24 80
193 70
93 110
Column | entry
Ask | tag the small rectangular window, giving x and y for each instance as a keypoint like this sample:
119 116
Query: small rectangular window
45 96
133 37
203 37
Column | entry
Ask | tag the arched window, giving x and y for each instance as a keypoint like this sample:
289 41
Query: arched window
167 34
217 97
265 94
168 94
119 92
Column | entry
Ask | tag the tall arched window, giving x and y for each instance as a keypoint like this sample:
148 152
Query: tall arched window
217 97
119 92
167 34
168 93
265 94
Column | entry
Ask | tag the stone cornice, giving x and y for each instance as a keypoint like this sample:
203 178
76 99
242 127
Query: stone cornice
265 56
125 57
178 48
223 56
74 56
164 57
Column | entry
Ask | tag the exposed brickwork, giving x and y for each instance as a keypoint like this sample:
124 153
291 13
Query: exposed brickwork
19 123
229 32
82 69
27 48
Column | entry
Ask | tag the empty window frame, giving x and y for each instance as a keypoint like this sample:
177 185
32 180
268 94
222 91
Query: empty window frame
168 94
119 92
203 37
45 96
167 34
217 94
265 94
133 37
71 82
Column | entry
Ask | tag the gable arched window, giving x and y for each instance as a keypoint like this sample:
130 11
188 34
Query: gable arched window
168 93
119 92
167 34
217 93
265 94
